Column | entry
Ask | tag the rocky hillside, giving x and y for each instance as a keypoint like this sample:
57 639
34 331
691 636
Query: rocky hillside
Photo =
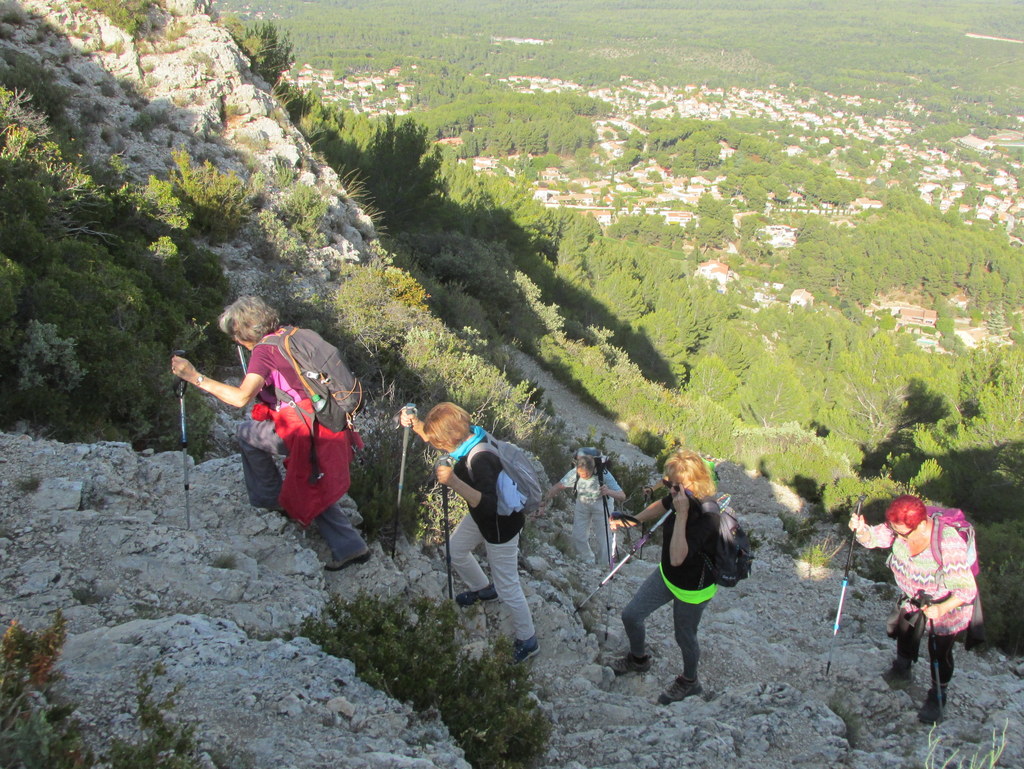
100 531
183 84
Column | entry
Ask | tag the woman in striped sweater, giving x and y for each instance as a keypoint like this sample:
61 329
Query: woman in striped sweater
938 592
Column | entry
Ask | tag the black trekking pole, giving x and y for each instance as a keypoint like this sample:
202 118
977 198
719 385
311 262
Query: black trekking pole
410 410
604 504
180 386
632 551
933 653
842 593
446 461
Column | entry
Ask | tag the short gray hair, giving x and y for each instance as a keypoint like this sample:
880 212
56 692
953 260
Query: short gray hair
248 319
585 462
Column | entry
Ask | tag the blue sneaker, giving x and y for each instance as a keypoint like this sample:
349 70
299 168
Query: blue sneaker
470 597
523 650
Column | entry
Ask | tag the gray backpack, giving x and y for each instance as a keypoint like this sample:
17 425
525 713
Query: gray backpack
519 488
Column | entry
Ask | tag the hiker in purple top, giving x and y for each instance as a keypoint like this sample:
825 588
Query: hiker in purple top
938 588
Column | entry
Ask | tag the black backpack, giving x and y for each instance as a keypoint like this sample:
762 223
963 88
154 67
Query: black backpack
733 554
336 394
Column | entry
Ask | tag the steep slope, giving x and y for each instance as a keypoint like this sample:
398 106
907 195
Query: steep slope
98 531
183 84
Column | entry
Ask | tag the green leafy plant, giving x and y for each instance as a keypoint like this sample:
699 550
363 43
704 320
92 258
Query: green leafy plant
130 15
411 650
34 732
302 209
218 202
164 744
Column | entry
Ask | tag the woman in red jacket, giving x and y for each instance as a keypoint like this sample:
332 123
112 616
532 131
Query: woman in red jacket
282 425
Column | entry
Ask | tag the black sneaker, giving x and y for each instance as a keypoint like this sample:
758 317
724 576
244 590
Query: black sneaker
680 689
934 704
338 565
630 664
900 674
470 597
523 650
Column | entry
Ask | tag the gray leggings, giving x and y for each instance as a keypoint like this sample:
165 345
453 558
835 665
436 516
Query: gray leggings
259 444
652 595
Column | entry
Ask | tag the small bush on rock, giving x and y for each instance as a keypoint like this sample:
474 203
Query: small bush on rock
130 15
412 651
219 203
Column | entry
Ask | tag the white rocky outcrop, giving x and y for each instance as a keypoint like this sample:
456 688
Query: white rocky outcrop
99 532
184 84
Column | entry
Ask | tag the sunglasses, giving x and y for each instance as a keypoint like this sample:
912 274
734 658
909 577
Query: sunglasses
675 488
896 533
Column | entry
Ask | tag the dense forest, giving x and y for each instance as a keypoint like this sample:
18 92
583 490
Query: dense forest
890 48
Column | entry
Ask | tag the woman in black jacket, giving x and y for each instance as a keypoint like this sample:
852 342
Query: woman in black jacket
474 477
685 576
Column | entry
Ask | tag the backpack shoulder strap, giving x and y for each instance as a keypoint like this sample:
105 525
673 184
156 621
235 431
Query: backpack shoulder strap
936 539
483 445
280 341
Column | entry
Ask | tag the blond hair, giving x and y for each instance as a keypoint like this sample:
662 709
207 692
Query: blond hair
689 469
446 426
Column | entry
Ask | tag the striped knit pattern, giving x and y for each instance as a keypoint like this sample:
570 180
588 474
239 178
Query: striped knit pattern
921 572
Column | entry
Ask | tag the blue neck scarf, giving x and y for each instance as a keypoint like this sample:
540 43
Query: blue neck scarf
477 434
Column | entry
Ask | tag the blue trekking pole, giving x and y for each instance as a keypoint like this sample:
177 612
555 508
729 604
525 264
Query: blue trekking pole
933 653
842 594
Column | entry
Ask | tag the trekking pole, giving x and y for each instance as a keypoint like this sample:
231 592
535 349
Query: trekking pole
842 593
447 462
241 359
179 388
410 410
933 653
632 551
604 504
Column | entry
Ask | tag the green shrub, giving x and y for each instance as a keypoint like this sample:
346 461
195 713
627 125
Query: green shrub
37 733
89 334
34 732
1001 582
302 209
268 48
218 202
130 15
163 744
412 651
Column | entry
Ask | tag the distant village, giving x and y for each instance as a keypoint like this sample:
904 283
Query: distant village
980 184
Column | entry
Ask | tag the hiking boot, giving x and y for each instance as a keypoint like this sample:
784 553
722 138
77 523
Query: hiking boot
344 563
630 664
470 597
523 650
900 674
680 689
934 703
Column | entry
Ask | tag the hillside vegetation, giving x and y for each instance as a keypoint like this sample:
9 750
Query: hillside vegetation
826 401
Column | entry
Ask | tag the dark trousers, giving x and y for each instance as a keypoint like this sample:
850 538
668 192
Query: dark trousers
259 444
909 629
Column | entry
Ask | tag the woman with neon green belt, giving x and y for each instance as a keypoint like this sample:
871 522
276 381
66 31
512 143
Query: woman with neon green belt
684 578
